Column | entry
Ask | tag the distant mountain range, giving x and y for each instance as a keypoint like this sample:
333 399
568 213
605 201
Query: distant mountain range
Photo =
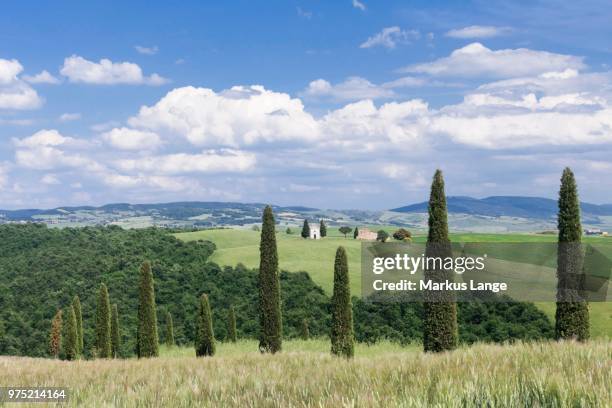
184 209
508 206
491 214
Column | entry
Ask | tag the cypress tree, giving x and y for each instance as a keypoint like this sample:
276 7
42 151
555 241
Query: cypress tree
147 342
304 332
572 314
305 229
342 310
231 325
270 339
115 334
356 233
169 330
103 324
322 229
440 308
205 337
71 342
55 334
76 305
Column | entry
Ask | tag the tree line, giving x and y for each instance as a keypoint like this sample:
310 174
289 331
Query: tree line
41 268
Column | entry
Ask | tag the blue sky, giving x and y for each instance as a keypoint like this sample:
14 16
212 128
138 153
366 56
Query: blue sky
343 104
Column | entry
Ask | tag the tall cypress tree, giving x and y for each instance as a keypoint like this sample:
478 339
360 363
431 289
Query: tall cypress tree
205 337
305 229
55 334
147 342
115 334
169 330
103 324
231 325
356 233
572 315
71 342
322 229
270 319
342 338
440 308
76 304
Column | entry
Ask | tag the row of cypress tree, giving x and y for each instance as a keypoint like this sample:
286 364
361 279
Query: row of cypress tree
107 342
147 339
69 336
440 329
440 332
270 340
73 342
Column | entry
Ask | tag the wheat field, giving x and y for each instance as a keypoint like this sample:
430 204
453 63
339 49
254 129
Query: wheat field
536 374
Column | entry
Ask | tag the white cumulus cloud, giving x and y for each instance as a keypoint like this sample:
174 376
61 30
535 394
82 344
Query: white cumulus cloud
107 72
14 92
49 149
476 60
163 183
363 125
562 108
511 131
43 77
43 138
352 88
211 161
234 117
132 139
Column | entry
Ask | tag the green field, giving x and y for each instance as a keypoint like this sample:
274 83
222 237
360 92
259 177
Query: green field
317 258
295 253
304 374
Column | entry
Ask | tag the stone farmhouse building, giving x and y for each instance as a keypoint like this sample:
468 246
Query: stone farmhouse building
366 235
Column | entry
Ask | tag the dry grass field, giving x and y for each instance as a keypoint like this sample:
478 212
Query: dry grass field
538 374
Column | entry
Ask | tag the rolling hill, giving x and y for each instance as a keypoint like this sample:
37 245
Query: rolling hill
508 206
500 214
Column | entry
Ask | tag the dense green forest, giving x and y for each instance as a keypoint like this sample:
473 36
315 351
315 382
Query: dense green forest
41 269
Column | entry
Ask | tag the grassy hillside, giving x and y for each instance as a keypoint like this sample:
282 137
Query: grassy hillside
317 258
305 374
295 253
